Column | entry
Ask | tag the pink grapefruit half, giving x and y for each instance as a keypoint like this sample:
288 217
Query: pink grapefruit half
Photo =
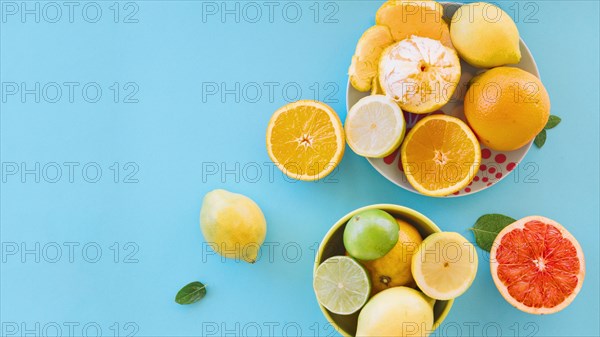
537 265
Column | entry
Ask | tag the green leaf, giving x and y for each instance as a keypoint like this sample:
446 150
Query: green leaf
487 228
552 122
540 139
191 293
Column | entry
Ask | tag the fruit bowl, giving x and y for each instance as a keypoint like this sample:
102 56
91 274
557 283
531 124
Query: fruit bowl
333 245
495 165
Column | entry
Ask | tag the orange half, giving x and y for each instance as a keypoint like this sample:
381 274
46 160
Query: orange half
440 155
305 139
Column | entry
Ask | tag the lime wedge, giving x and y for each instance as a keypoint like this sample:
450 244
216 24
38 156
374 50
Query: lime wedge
342 285
374 126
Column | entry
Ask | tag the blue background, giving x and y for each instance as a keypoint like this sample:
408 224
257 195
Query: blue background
178 134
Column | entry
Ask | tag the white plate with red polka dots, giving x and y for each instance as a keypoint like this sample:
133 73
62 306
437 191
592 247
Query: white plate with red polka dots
495 165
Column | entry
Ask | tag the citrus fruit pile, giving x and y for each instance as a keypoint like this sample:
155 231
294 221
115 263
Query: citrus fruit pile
410 61
392 275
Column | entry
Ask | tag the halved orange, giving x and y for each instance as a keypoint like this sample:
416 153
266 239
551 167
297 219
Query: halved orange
305 139
440 155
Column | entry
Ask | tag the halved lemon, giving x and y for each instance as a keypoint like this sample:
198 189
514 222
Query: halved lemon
305 139
374 126
419 73
342 285
445 265
440 155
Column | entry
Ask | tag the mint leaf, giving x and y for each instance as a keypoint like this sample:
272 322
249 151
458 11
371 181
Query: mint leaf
540 139
191 293
487 228
552 122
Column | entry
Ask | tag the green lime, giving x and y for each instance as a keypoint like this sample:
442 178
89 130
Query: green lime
371 234
342 285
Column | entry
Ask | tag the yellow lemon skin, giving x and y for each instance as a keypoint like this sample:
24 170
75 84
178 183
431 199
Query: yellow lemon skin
393 269
398 311
233 225
485 36
507 107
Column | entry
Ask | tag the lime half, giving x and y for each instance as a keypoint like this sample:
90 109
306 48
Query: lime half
342 285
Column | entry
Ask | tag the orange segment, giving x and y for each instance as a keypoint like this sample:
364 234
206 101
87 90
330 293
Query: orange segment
440 155
305 140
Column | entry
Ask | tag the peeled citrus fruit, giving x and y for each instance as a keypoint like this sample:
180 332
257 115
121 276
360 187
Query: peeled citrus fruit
485 36
445 265
398 311
393 269
507 107
366 57
341 285
370 234
232 224
305 140
537 265
374 126
420 18
440 155
419 73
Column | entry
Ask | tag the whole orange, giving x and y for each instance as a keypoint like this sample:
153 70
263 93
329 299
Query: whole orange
507 107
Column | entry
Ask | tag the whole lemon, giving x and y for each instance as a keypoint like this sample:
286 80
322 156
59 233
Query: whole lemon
233 225
393 269
485 36
507 107
398 311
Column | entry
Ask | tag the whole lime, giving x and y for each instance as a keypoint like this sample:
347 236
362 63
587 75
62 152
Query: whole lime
370 235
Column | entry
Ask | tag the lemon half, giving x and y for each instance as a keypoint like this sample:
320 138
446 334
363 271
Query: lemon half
375 126
444 265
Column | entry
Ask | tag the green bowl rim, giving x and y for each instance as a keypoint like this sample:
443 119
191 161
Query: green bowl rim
395 208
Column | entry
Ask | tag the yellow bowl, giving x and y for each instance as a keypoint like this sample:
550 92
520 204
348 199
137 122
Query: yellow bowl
333 244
